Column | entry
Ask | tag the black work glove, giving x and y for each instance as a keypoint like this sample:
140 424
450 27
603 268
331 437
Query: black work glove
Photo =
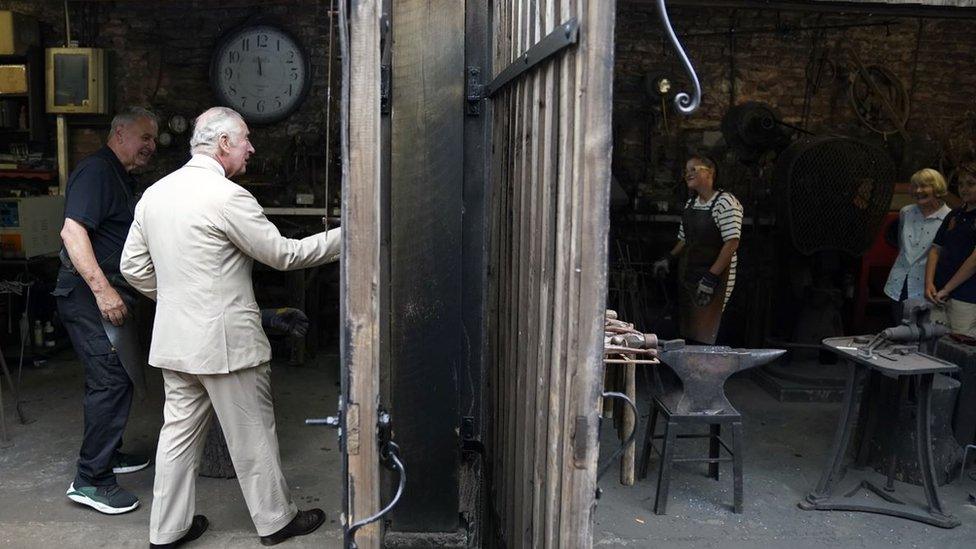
706 289
284 321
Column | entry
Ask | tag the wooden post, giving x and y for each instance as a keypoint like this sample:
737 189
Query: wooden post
360 265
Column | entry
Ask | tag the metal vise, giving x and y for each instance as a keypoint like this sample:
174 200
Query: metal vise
703 370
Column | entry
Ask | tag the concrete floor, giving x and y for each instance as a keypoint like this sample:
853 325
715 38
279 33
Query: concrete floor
785 449
38 463
786 446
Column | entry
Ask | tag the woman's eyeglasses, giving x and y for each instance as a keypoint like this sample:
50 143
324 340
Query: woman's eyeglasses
692 172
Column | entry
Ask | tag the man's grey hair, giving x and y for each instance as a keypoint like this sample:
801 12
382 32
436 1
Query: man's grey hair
129 115
213 124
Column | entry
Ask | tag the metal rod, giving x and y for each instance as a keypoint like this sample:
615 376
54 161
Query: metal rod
686 104
328 109
67 26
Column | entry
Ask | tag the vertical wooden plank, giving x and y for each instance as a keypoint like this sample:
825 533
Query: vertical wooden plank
546 191
573 421
516 376
596 55
360 266
560 426
527 281
425 249
503 273
496 110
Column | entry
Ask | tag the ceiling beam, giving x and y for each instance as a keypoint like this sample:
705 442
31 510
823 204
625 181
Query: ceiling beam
864 7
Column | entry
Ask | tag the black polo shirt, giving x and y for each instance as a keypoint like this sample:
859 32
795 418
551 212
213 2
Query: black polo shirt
956 239
99 195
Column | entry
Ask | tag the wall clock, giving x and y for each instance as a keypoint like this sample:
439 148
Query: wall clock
261 71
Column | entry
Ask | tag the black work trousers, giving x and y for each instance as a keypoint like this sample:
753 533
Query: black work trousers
108 389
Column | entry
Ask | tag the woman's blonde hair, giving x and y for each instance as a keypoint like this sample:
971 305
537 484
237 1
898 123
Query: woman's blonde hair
927 177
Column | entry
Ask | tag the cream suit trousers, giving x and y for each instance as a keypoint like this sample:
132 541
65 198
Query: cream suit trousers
242 400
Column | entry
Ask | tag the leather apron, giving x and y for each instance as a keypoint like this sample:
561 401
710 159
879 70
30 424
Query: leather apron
125 338
703 242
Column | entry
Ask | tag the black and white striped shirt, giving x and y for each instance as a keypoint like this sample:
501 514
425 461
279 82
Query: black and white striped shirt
727 215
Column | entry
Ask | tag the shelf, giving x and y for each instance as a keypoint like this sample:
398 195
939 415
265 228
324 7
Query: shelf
13 96
43 175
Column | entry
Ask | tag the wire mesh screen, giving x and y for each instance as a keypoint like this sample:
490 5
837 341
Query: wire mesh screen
834 192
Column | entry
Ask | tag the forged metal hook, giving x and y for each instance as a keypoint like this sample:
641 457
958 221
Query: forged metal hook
685 103
630 438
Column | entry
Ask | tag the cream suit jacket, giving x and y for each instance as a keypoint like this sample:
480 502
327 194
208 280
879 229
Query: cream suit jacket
191 248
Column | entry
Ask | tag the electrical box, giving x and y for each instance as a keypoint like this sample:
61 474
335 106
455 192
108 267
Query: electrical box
76 81
30 226
17 33
13 79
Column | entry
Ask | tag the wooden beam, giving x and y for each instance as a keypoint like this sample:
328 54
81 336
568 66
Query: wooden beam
360 266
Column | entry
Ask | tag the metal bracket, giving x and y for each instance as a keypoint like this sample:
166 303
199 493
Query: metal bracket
476 91
581 441
385 89
563 37
386 82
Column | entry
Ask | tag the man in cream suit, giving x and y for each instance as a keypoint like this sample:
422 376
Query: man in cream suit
191 248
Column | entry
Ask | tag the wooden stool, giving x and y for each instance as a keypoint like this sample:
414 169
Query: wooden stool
729 416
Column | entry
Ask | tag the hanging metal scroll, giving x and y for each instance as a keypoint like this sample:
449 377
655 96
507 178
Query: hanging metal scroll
685 103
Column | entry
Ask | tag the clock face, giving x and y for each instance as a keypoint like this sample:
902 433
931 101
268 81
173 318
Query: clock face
261 72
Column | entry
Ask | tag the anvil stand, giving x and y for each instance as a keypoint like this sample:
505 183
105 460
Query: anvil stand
891 364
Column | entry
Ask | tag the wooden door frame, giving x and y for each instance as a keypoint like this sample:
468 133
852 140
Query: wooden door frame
360 266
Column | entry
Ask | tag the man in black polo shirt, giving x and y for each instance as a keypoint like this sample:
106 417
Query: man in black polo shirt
99 203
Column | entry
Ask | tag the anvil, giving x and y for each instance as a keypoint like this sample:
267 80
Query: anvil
703 370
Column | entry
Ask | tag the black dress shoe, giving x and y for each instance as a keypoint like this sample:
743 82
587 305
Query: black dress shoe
197 528
305 522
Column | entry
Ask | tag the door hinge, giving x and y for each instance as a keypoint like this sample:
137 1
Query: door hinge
385 80
475 91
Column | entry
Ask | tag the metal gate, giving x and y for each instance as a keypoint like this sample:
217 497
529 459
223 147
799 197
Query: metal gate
550 177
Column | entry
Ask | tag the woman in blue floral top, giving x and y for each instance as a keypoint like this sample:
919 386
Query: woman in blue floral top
917 225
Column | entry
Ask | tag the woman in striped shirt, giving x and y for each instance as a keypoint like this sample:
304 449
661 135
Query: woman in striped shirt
706 250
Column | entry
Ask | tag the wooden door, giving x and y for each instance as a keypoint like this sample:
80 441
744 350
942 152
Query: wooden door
550 178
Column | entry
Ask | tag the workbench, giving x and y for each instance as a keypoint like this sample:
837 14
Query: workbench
865 495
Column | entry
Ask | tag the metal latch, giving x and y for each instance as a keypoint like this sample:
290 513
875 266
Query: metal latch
389 458
475 91
602 469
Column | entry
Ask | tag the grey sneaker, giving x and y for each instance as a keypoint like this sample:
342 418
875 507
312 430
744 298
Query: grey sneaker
111 500
128 463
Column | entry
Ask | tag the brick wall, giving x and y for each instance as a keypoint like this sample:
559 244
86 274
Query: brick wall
772 67
160 55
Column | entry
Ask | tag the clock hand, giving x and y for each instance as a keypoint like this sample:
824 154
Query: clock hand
259 66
